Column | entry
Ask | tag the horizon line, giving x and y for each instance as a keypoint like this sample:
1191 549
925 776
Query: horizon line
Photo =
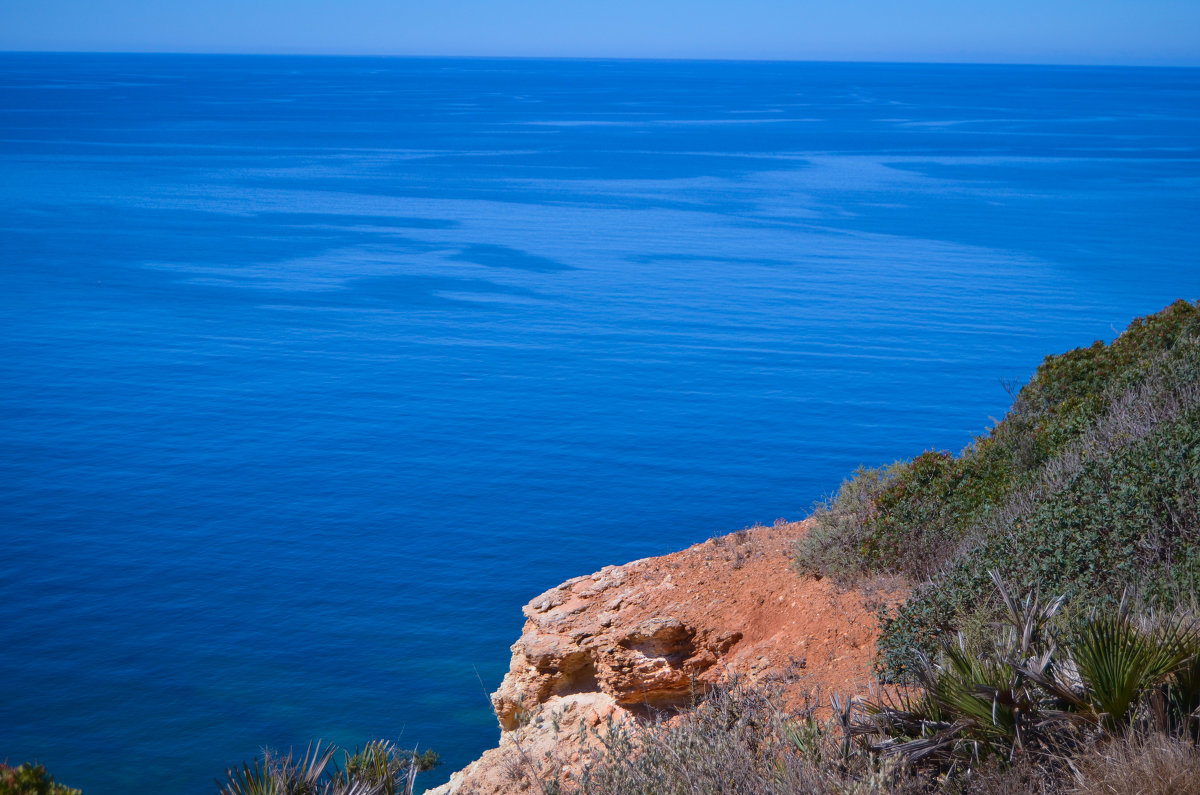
635 58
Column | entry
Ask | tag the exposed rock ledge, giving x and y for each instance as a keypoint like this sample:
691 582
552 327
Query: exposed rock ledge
612 644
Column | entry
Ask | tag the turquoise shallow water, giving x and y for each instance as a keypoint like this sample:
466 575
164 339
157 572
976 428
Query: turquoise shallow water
317 369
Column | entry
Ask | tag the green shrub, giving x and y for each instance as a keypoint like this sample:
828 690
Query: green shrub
1090 482
838 544
30 779
1131 518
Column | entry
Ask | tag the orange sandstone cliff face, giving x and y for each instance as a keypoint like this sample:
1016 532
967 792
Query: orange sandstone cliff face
615 645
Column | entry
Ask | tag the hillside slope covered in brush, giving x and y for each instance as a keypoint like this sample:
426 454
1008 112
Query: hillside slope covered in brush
1089 486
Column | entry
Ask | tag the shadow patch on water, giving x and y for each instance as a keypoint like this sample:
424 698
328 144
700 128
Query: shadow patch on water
493 256
429 291
338 221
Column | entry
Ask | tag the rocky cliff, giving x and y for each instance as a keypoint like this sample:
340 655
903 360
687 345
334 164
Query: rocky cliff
636 640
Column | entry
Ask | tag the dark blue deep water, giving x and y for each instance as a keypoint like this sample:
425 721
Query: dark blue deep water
315 370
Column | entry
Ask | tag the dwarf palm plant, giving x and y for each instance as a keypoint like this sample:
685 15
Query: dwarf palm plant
1029 691
1121 660
975 703
381 768
386 767
282 775
1184 696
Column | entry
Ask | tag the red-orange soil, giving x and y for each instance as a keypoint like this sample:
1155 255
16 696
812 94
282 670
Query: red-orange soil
654 631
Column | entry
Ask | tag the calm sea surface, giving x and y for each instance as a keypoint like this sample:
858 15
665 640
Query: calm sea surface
315 370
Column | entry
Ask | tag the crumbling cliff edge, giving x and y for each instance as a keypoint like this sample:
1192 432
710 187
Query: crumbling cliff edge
628 640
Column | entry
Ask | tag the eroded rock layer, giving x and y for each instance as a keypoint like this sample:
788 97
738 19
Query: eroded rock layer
656 632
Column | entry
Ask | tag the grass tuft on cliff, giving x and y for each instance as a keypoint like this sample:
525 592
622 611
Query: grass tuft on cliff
1089 485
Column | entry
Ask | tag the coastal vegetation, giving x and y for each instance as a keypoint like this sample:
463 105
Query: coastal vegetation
378 768
1090 485
30 779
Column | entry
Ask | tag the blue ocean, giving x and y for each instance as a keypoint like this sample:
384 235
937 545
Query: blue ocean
317 369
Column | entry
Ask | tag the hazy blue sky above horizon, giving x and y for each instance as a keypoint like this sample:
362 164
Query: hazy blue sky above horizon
1015 31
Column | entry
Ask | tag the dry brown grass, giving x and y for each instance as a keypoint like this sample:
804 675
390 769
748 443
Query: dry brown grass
1153 765
739 742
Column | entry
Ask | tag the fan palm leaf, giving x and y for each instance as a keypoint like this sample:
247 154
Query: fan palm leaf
1120 659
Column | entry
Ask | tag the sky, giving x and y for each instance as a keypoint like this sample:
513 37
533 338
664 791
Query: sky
1150 32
